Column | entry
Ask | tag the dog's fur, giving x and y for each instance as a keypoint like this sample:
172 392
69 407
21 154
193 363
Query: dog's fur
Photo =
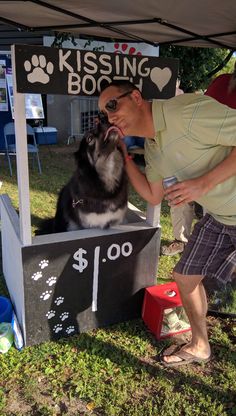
96 195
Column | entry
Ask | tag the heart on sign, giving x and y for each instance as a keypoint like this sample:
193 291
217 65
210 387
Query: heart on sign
160 77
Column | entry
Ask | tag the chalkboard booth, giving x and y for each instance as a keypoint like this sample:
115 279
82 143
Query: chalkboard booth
62 284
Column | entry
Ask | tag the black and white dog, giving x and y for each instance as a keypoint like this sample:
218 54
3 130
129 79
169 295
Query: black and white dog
96 195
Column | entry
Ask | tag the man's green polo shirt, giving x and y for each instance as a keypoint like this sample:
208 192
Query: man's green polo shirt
193 134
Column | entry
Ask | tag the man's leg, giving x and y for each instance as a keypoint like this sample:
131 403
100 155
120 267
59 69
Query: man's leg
194 301
182 219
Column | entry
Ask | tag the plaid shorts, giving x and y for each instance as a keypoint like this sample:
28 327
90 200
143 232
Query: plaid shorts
211 251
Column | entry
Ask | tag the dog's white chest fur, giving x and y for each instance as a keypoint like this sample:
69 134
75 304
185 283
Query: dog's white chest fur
94 220
110 169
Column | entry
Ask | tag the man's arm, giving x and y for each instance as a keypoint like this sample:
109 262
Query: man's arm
192 189
151 192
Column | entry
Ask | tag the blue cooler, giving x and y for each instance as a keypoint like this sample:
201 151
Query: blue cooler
46 135
5 309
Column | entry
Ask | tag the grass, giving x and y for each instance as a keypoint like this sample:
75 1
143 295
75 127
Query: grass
110 371
224 300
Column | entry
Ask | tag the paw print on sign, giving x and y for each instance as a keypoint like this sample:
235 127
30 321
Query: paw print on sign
50 314
43 264
36 276
124 49
59 300
38 69
70 329
46 295
64 316
51 281
57 328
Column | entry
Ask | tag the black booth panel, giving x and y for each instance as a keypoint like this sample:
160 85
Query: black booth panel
60 280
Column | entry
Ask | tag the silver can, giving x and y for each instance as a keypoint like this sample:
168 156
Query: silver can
169 181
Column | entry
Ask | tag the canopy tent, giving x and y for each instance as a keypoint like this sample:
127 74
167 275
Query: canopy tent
208 23
204 23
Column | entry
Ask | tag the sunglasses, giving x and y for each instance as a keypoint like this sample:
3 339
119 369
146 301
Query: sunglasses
111 105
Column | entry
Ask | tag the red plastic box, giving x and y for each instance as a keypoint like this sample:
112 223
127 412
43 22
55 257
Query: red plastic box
162 311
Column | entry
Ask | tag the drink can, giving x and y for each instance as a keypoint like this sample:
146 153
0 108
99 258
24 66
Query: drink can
169 181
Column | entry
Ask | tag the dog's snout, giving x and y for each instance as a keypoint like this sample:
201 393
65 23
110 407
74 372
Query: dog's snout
103 118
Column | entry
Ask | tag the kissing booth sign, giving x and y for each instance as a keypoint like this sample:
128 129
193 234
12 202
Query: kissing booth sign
65 283
80 72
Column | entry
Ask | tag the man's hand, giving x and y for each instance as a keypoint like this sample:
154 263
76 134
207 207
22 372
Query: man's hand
187 191
192 189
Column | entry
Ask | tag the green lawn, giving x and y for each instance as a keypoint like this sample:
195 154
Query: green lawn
112 371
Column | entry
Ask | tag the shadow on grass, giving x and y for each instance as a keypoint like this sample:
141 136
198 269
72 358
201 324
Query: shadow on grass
133 349
183 379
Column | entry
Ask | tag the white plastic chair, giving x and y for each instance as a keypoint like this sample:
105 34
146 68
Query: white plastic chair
10 145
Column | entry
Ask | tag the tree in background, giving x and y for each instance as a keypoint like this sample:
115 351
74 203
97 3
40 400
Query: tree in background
198 66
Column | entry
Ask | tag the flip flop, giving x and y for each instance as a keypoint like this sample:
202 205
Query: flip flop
186 357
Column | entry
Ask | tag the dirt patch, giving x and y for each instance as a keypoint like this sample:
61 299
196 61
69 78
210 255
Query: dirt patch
41 402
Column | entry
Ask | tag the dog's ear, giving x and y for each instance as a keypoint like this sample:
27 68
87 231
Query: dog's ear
76 154
81 155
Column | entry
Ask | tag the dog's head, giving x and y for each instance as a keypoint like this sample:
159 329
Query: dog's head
99 143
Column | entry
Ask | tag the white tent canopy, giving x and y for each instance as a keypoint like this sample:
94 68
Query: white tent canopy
210 23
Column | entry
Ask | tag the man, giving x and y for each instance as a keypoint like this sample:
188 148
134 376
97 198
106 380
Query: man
192 137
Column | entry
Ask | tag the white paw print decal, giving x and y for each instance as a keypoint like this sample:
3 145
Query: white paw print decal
38 69
70 329
43 264
36 276
64 316
59 300
46 295
57 328
51 281
50 314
